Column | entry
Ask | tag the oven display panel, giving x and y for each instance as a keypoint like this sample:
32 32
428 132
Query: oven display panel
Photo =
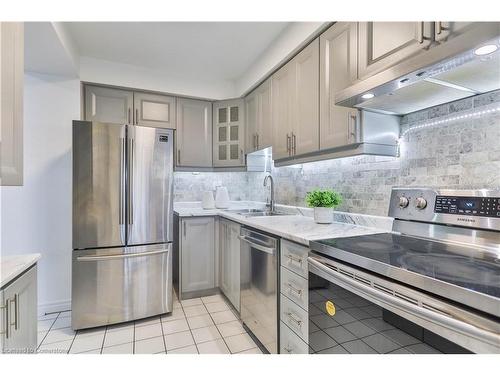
472 206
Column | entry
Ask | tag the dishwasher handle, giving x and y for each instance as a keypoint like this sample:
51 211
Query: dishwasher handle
266 249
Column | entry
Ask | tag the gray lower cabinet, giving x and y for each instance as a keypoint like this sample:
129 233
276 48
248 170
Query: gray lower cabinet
229 248
18 308
197 255
294 300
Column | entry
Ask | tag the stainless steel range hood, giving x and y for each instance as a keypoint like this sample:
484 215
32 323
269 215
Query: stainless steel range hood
460 76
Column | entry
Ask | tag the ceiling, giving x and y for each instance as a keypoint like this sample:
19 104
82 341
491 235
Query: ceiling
220 50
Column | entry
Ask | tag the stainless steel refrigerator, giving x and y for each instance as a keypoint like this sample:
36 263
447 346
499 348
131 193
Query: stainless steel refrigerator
122 223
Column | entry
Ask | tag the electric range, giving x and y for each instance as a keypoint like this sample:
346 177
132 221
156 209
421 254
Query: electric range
438 268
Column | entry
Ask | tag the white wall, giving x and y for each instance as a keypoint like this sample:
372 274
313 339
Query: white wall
36 217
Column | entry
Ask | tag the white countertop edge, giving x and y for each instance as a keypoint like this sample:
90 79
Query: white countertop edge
11 266
274 224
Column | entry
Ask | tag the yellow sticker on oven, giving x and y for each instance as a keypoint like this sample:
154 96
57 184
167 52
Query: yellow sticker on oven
330 308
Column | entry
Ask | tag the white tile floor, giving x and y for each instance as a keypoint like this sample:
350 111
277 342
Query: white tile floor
204 325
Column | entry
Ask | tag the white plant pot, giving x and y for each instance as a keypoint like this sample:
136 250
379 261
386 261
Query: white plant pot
323 215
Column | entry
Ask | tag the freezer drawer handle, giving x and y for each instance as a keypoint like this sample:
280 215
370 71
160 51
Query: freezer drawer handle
91 258
269 250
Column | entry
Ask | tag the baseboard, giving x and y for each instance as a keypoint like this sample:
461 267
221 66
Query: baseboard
54 307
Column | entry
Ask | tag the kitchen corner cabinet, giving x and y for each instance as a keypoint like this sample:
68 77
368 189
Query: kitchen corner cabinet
258 111
295 104
338 70
117 106
18 307
229 133
194 133
197 254
154 110
384 44
229 249
11 102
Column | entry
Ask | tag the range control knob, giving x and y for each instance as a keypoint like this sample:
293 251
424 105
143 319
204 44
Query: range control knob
420 203
403 202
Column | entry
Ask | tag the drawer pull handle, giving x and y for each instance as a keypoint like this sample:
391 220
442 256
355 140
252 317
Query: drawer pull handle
294 319
294 259
295 290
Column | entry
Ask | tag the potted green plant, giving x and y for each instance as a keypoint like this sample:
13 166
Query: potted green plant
323 202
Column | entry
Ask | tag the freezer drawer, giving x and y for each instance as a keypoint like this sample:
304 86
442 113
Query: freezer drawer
120 284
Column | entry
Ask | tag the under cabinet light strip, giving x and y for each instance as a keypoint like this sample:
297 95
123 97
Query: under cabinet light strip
450 119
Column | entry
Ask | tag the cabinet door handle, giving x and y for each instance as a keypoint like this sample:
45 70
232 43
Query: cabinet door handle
254 142
178 157
438 28
288 142
137 116
294 289
241 155
16 311
184 228
294 259
294 137
129 115
288 349
292 318
257 137
6 316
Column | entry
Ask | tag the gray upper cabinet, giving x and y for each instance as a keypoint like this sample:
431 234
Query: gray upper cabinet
384 44
295 104
194 133
283 92
154 110
11 106
305 136
197 253
104 104
19 299
445 30
229 133
258 124
251 121
338 70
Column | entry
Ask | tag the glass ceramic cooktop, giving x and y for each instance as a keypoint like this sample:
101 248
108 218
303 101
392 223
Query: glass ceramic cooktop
455 264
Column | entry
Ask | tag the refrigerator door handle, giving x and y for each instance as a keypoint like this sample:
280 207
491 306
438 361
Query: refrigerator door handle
93 258
131 184
121 220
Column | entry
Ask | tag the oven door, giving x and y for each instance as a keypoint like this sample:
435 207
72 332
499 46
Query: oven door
354 311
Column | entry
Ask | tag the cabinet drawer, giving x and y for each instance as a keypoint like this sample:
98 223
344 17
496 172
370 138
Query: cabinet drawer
294 287
294 257
295 317
290 343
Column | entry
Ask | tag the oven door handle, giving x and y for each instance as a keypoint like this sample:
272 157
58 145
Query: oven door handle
440 318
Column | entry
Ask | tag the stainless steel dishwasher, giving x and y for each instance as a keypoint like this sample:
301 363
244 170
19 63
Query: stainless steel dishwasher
259 286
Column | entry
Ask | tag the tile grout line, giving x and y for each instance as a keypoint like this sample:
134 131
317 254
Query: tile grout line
220 333
46 333
103 339
190 331
163 335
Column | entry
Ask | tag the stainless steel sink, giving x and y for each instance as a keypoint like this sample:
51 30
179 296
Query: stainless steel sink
256 212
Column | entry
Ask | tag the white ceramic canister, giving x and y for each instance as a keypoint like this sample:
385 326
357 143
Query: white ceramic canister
221 197
208 202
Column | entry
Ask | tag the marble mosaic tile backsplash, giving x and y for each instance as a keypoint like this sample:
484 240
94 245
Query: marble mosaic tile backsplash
462 153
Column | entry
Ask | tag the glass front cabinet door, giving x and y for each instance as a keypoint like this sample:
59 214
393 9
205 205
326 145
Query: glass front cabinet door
229 133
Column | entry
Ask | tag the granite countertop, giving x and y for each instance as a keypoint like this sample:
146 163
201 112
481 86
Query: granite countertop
299 225
12 266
